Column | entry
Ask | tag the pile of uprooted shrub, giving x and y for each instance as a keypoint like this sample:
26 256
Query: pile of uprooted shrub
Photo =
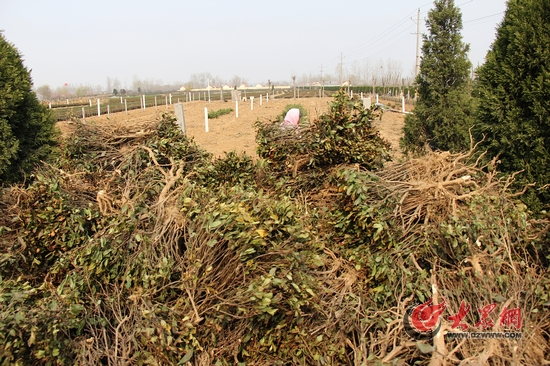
138 248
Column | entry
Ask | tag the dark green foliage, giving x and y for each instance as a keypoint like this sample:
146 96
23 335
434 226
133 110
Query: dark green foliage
233 170
27 129
443 113
278 145
219 112
514 92
215 263
343 135
53 222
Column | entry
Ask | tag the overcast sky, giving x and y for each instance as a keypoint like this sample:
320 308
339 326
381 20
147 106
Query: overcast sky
82 42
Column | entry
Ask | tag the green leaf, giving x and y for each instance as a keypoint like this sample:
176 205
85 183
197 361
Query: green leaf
424 347
310 291
76 309
32 338
215 224
186 358
248 251
499 298
19 316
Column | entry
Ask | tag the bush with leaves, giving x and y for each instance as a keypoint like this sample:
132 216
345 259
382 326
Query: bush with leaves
343 135
216 262
514 93
27 128
232 169
219 112
444 112
346 135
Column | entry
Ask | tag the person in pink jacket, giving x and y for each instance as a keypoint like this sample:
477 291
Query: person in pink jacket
292 118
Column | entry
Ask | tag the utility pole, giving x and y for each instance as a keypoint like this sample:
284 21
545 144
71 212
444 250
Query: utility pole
322 83
417 65
294 85
341 61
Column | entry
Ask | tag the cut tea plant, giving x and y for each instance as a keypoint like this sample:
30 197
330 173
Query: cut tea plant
137 247
344 135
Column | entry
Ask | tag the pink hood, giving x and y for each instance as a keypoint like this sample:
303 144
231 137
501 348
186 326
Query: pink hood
292 117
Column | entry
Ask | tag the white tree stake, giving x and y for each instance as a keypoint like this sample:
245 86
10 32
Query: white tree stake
206 119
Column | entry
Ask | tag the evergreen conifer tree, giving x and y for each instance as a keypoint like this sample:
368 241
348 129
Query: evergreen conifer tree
514 93
27 129
443 114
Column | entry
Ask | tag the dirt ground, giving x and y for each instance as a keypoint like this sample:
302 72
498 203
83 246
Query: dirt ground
227 132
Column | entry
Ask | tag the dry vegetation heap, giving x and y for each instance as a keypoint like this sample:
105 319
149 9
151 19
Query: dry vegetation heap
137 248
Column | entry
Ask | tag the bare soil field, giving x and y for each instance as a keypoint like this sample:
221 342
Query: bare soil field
227 132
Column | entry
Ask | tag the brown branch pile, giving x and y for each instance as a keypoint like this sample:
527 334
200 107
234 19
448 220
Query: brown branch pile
454 220
171 265
430 187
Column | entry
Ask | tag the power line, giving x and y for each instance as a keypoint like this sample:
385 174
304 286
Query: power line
388 49
485 17
380 38
390 38
381 41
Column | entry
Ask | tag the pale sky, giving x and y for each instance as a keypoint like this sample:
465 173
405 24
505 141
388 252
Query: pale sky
82 42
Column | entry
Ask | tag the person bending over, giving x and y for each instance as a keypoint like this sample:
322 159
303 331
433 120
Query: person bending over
292 119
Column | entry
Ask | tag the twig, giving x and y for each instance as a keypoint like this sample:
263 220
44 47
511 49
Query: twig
197 317
415 262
